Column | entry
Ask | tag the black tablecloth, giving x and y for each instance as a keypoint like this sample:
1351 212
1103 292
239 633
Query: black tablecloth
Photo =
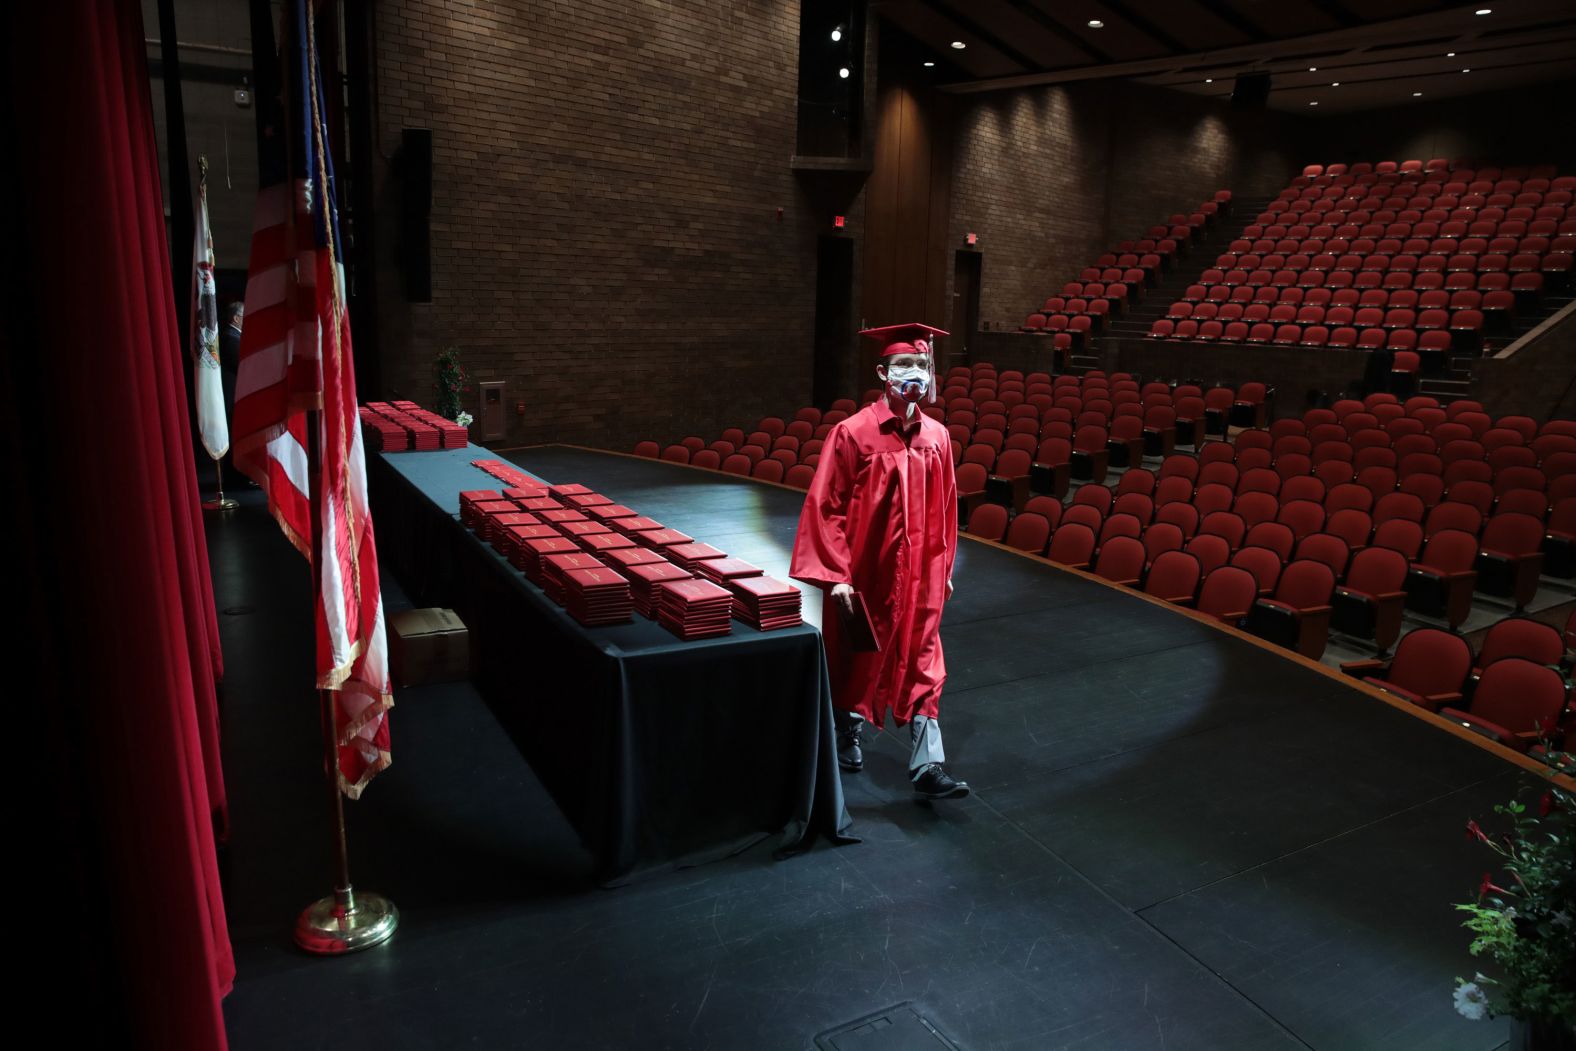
661 753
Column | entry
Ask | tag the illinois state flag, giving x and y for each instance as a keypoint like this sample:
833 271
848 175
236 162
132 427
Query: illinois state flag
295 362
211 423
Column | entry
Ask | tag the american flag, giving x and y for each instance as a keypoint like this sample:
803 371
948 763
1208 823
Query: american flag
295 359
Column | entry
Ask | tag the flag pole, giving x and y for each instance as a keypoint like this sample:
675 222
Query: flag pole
221 502
343 922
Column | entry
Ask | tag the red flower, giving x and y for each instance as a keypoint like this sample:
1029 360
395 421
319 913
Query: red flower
1475 833
1488 885
1546 804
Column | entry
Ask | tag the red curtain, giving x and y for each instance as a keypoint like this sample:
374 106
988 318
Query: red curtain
104 458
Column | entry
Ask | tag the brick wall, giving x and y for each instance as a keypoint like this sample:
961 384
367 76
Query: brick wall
1052 177
604 238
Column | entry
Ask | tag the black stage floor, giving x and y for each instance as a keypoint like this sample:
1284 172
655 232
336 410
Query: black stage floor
1177 840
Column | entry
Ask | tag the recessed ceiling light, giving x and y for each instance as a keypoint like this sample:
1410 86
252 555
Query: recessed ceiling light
1313 69
1417 94
1466 71
843 72
1336 84
1313 103
837 34
1209 80
1484 11
1095 23
1450 54
958 45
929 64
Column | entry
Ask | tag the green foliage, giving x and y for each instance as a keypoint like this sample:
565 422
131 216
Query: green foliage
1527 926
449 384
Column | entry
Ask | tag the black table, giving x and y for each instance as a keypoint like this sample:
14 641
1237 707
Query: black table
661 753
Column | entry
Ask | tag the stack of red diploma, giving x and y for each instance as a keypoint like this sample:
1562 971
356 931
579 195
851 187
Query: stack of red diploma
555 566
597 596
400 425
603 561
646 580
695 609
766 604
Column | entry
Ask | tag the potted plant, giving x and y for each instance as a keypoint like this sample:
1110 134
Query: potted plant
449 383
1524 920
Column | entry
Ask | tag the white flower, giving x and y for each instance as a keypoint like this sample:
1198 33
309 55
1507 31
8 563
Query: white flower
1471 1001
464 419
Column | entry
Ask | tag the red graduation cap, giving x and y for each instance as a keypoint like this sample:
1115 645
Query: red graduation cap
910 338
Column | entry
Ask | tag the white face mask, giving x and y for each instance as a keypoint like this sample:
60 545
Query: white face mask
908 382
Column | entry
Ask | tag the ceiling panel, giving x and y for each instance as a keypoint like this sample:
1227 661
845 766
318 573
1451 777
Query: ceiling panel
1025 27
1119 38
931 26
1194 25
1284 18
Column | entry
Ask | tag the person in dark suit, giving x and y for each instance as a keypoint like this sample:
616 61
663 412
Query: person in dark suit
229 359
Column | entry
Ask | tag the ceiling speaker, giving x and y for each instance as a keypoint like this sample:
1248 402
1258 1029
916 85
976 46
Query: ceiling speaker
1252 91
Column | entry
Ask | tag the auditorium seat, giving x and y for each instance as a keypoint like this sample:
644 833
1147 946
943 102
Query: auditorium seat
1227 595
1559 540
1297 618
1119 526
1520 637
1441 580
649 449
707 458
970 480
1029 532
768 471
1327 548
1072 545
676 453
1050 473
1121 560
1513 701
1369 604
1510 557
1173 576
799 476
988 522
1429 669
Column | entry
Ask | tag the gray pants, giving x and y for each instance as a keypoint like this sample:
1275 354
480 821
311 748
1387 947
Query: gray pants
924 731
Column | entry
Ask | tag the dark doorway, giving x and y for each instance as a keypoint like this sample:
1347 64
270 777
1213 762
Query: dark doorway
834 322
965 303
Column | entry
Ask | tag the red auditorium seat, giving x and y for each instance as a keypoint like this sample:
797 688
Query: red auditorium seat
769 471
739 464
676 453
1510 557
1520 637
1009 483
1429 669
988 522
1072 545
706 458
1513 701
1559 540
800 476
1047 507
1441 581
1173 577
1090 459
1029 532
1399 534
1228 594
1121 560
1299 614
1084 515
649 449
971 478
1327 548
1050 472
1370 603
1119 525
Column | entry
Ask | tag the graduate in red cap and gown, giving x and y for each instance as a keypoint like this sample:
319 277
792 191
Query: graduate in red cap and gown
881 523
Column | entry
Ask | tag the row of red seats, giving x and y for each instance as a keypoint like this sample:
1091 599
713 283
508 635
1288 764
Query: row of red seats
1510 691
1438 168
1106 287
1381 563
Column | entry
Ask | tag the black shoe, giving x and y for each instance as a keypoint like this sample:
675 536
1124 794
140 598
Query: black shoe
935 783
849 755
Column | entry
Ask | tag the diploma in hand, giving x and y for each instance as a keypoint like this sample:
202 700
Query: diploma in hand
858 633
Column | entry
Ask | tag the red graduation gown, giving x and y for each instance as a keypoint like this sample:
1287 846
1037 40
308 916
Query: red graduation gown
882 515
